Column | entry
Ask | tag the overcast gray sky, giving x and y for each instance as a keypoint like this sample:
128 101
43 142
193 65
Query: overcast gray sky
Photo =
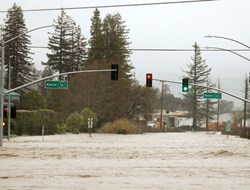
170 26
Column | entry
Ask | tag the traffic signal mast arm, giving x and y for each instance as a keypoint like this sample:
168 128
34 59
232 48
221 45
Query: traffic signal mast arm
217 89
49 77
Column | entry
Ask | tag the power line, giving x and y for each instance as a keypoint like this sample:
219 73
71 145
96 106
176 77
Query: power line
114 6
153 49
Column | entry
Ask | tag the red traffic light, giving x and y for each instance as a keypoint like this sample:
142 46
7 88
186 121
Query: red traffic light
149 78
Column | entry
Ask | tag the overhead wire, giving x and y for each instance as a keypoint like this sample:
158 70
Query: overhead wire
115 6
153 49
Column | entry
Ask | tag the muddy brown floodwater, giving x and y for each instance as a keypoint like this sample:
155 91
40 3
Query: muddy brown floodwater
174 161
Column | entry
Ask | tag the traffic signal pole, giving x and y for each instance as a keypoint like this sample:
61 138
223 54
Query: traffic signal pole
1 89
50 77
217 89
37 81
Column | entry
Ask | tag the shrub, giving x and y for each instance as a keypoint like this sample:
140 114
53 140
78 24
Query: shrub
32 122
121 126
87 113
61 128
74 122
46 118
23 124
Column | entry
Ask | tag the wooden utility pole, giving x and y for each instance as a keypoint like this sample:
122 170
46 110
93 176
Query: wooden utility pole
218 110
243 133
162 87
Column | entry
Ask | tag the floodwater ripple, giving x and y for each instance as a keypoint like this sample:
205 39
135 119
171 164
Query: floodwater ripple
106 161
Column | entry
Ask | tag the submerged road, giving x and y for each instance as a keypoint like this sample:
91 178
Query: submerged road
175 161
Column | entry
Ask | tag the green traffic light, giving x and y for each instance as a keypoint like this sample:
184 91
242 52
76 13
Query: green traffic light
185 85
185 89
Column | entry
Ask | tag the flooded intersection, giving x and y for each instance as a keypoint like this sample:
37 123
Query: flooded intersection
104 161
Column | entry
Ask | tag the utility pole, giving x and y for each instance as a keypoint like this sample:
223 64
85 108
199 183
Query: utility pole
1 87
207 110
218 109
162 87
243 133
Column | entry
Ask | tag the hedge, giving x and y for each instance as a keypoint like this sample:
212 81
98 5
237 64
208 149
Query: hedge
32 122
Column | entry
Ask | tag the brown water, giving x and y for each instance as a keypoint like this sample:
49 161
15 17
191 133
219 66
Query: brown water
175 161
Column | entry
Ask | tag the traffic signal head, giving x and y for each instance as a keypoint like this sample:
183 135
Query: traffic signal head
114 73
149 78
13 112
5 112
185 85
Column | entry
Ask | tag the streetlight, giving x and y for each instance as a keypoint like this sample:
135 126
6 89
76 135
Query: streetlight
222 49
2 93
230 39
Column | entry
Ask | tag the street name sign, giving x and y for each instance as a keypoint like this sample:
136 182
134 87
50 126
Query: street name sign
55 84
212 95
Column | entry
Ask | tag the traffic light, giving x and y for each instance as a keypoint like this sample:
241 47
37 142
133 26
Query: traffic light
13 112
5 112
185 85
114 73
149 78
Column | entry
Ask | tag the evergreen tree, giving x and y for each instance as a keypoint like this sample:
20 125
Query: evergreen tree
78 49
17 53
67 53
109 99
67 46
96 41
198 73
47 71
117 44
33 100
116 93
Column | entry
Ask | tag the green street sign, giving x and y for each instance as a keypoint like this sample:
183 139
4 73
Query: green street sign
212 95
51 84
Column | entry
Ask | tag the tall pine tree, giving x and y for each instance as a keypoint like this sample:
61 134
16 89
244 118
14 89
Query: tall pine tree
96 41
67 46
17 53
109 44
198 73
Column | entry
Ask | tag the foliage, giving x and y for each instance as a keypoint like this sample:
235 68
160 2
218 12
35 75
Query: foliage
74 122
46 118
121 126
67 53
17 52
32 122
108 99
67 46
33 100
86 114
97 40
198 73
141 101
61 128
172 103
23 124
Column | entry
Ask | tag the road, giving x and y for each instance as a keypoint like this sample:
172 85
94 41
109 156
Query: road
176 161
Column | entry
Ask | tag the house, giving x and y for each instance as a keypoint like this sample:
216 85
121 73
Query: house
171 119
179 119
